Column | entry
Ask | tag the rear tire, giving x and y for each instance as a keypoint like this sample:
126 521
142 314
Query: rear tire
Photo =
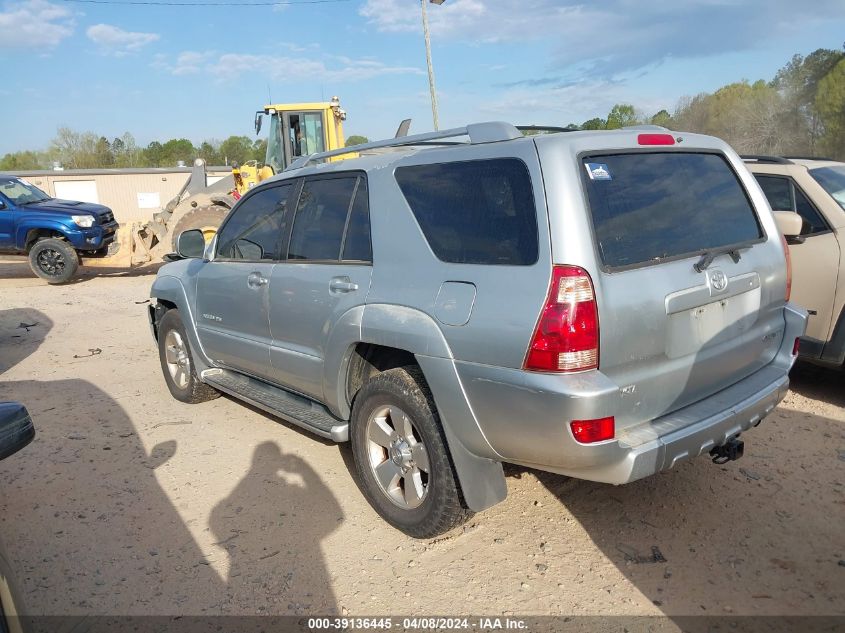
54 260
177 365
208 219
401 456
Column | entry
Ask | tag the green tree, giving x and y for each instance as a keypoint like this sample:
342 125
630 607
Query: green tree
153 155
237 149
103 153
798 83
74 150
177 149
621 114
209 152
830 105
594 124
356 139
662 118
20 161
259 149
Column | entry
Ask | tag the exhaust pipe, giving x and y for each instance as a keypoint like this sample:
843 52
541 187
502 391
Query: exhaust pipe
728 452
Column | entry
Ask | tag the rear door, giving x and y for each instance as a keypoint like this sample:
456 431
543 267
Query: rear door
690 289
233 290
327 272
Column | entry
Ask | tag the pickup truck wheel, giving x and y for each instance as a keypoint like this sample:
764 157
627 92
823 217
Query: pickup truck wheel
53 259
177 364
401 456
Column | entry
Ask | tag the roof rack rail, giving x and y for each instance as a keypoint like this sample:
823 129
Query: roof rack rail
810 158
550 129
489 132
776 160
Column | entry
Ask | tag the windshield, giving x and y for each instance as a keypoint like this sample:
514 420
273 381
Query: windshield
833 181
21 192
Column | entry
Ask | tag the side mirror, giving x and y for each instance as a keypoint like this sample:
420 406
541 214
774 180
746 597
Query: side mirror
16 428
259 118
790 224
2 205
190 244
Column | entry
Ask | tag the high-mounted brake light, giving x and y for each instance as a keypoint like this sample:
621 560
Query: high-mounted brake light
590 431
567 334
788 267
656 139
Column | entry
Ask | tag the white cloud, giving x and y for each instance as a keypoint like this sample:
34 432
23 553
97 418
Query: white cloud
34 24
185 63
229 66
611 36
115 40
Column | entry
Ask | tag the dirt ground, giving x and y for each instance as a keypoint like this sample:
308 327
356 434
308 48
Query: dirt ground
129 502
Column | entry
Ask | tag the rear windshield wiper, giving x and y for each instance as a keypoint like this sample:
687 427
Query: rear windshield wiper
708 257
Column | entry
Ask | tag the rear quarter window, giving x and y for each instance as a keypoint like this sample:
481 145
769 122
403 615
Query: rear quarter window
475 212
647 207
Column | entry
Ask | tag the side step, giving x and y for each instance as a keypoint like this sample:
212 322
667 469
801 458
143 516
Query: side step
301 411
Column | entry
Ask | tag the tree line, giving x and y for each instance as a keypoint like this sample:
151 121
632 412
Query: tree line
87 150
800 112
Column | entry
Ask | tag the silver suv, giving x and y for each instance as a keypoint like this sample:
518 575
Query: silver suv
598 304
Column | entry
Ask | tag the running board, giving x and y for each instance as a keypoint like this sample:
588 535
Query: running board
297 409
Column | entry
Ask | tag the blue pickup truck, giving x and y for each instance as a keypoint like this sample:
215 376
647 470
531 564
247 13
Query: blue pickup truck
53 233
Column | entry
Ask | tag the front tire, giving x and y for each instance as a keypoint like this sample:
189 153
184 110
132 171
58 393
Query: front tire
54 260
401 457
177 365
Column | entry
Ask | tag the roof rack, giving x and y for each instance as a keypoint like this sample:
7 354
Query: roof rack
811 158
550 129
489 132
775 160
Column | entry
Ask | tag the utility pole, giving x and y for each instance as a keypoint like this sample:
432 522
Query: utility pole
431 87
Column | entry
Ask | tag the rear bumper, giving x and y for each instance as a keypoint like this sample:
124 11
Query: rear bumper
525 417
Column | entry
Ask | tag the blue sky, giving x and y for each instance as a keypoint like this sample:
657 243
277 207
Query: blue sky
201 72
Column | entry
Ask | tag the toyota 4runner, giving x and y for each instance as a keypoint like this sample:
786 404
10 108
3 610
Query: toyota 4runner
603 305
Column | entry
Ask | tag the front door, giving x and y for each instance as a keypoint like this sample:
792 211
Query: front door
327 273
233 290
815 262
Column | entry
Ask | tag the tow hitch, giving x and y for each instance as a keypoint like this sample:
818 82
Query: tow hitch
728 452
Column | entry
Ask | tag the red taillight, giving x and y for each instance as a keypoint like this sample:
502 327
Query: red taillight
796 346
656 139
591 431
567 334
788 267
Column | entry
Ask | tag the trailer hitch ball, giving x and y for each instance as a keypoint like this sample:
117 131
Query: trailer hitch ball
728 451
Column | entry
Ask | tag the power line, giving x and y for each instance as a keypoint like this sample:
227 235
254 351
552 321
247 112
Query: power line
166 3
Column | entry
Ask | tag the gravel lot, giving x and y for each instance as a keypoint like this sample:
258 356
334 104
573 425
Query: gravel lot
129 502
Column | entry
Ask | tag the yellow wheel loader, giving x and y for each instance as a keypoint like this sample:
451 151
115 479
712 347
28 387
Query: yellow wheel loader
295 129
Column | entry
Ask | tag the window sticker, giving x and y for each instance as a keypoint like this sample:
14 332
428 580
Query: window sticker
598 171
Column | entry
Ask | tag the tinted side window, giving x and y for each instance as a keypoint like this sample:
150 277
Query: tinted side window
478 212
321 218
256 225
778 192
651 206
783 195
356 246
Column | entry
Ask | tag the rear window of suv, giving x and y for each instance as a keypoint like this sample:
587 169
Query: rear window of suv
648 207
475 212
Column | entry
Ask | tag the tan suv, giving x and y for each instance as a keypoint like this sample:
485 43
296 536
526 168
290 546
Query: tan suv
815 190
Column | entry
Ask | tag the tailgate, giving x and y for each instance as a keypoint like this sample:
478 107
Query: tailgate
690 289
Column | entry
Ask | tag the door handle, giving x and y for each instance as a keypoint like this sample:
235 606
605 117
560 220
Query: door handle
256 280
342 284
